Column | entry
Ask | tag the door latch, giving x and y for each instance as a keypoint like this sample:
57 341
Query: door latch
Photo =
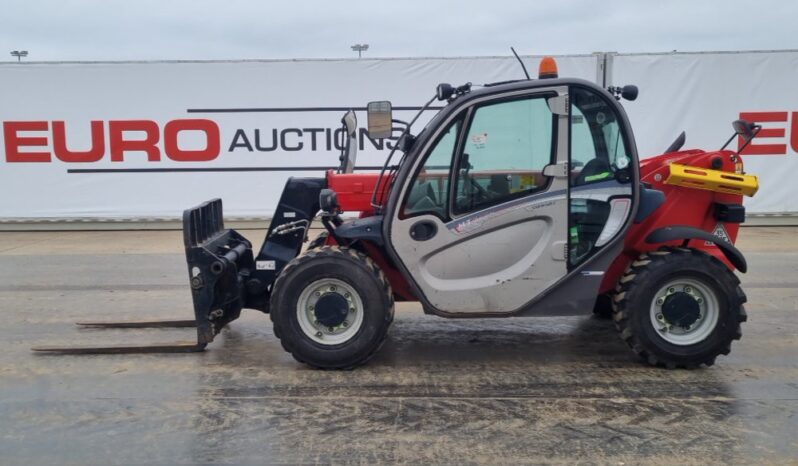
423 230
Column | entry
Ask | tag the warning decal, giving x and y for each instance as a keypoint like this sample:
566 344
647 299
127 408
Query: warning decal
720 232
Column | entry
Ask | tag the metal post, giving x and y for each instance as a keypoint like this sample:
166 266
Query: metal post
19 54
360 48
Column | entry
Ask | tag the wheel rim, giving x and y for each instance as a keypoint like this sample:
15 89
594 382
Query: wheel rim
674 307
329 311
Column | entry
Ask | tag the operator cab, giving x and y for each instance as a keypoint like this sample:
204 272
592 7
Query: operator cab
509 191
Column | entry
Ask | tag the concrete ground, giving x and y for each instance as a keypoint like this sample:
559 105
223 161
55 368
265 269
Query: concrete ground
501 391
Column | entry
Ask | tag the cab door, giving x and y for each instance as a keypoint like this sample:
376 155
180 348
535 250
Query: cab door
602 178
482 220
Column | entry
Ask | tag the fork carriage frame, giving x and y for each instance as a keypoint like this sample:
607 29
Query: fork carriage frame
225 276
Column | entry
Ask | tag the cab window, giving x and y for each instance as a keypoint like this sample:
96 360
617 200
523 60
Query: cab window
597 147
429 192
600 164
505 150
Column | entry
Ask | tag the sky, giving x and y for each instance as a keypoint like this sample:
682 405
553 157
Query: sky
63 30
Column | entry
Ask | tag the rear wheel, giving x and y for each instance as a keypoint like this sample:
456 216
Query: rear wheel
679 307
331 308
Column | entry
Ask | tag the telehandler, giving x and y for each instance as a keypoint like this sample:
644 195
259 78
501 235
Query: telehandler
518 198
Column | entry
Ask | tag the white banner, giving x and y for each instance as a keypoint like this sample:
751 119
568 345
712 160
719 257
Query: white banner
149 139
125 140
702 93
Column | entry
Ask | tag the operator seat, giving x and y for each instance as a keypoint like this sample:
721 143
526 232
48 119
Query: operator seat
593 171
499 185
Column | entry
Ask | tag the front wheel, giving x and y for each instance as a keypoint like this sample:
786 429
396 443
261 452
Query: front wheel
331 308
679 307
318 241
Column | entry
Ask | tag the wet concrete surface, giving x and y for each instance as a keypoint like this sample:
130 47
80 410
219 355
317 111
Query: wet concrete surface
494 391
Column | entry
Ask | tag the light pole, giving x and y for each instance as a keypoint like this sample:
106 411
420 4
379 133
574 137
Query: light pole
19 54
360 48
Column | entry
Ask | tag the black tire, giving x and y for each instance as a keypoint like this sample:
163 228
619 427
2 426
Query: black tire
318 241
648 274
359 273
603 309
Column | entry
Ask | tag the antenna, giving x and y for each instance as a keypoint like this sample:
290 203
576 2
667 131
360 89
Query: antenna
521 62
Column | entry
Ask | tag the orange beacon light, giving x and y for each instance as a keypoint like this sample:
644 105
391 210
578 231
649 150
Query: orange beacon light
548 68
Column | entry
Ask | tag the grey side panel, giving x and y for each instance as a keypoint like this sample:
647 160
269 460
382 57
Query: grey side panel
577 293
492 264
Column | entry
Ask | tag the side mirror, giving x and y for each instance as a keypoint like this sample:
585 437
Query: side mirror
629 92
380 119
744 129
350 121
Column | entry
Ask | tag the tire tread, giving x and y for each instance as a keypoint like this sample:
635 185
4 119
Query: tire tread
637 275
346 254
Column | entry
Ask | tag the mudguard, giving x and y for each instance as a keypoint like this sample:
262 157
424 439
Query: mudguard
683 232
369 228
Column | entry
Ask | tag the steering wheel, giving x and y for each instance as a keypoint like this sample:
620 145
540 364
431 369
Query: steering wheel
466 201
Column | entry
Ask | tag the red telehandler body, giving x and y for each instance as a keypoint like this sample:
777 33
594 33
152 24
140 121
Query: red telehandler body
519 198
